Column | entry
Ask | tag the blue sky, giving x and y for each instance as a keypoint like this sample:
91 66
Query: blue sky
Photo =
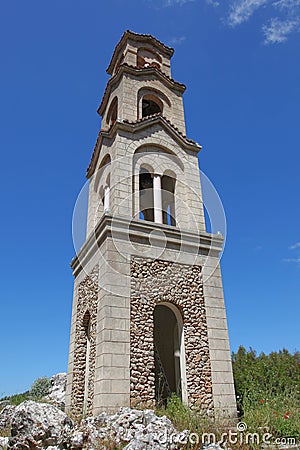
240 62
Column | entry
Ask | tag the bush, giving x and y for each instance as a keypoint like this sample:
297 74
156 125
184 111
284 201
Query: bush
40 388
267 389
260 376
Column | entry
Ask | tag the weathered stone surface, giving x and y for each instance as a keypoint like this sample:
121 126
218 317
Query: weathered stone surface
3 442
140 429
58 389
86 314
38 425
6 416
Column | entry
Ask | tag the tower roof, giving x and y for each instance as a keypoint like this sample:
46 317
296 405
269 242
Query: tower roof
168 51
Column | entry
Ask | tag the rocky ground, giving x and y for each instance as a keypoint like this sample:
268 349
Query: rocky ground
40 426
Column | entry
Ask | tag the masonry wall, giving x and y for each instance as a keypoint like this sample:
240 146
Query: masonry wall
122 148
154 282
86 304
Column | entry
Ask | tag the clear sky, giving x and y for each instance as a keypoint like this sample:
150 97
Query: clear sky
240 62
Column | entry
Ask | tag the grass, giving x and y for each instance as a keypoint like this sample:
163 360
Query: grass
280 415
269 419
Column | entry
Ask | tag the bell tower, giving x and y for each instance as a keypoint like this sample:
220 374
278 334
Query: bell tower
148 316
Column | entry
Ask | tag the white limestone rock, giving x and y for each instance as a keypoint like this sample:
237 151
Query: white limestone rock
6 416
77 440
3 442
57 390
41 426
38 426
141 429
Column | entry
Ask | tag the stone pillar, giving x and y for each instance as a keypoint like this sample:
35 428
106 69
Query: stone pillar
157 199
106 198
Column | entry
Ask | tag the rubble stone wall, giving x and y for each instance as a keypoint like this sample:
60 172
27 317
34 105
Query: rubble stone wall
153 282
87 302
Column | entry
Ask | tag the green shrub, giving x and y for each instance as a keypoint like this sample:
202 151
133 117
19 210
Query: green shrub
260 376
268 391
40 388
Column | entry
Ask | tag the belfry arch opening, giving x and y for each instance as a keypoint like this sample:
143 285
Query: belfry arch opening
146 57
168 353
151 105
146 195
168 199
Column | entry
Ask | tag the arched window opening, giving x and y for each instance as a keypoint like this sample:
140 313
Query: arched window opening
168 354
105 161
168 200
151 105
112 114
146 195
106 195
87 330
101 173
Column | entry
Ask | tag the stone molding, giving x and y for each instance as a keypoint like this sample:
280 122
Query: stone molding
196 243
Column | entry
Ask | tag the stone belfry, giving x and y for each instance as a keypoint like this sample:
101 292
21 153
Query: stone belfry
148 316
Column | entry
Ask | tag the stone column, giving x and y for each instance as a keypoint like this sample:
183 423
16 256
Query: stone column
157 199
106 198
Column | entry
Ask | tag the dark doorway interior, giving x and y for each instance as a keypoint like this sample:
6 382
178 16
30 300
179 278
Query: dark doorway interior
167 354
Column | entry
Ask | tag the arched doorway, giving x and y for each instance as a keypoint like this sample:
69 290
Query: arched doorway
169 353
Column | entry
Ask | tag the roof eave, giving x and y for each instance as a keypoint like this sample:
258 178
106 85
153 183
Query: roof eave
135 70
136 126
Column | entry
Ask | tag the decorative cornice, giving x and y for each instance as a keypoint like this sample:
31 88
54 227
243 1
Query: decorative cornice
138 125
201 243
126 68
168 51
